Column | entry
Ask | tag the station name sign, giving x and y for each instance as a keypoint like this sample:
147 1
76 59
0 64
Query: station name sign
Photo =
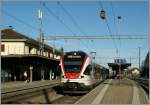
120 61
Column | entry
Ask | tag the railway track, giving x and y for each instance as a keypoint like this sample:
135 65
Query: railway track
40 94
67 99
144 83
73 97
25 93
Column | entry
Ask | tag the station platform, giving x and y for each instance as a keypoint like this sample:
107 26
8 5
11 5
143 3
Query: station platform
14 85
115 91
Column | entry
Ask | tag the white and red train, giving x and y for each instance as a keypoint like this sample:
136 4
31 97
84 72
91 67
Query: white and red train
78 73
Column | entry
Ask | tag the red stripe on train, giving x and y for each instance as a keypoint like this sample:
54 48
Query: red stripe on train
72 75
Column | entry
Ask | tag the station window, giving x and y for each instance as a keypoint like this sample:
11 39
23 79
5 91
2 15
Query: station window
2 48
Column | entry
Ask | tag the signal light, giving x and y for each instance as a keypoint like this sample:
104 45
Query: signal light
119 17
82 76
102 14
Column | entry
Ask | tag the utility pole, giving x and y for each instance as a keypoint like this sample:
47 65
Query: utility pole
119 72
54 49
139 56
40 13
93 54
40 30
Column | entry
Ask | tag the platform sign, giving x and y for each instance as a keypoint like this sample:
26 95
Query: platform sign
120 61
74 56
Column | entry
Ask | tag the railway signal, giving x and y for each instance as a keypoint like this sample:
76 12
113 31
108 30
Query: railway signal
119 17
102 14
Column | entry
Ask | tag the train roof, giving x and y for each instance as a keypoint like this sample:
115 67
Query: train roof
98 65
84 53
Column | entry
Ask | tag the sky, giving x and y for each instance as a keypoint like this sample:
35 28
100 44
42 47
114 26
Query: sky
82 18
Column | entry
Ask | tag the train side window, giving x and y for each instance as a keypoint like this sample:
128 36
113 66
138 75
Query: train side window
88 70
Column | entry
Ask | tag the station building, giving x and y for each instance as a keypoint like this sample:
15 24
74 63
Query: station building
20 54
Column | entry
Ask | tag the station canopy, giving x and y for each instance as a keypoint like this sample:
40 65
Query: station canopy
119 62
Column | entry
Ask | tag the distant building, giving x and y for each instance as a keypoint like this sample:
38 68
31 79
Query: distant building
135 71
19 52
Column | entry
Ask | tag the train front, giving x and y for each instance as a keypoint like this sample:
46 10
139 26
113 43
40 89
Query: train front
73 65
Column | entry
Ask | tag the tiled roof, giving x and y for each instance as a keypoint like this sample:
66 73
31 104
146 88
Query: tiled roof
11 34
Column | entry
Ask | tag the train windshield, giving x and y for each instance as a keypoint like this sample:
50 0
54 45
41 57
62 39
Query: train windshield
72 66
73 62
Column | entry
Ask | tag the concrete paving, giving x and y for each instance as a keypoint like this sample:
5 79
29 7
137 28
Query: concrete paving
124 91
119 92
91 96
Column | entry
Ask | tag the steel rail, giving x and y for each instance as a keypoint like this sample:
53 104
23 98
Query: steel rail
144 83
11 95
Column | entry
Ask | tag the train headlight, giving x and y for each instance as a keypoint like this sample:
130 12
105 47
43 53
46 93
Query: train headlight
63 76
82 76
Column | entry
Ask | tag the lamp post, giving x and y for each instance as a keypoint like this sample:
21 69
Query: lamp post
93 54
119 73
118 62
40 16
31 68
139 56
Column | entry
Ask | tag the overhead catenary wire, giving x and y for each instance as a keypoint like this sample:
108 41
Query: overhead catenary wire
71 17
105 57
119 39
3 26
97 37
19 20
116 27
109 30
114 18
73 20
59 19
